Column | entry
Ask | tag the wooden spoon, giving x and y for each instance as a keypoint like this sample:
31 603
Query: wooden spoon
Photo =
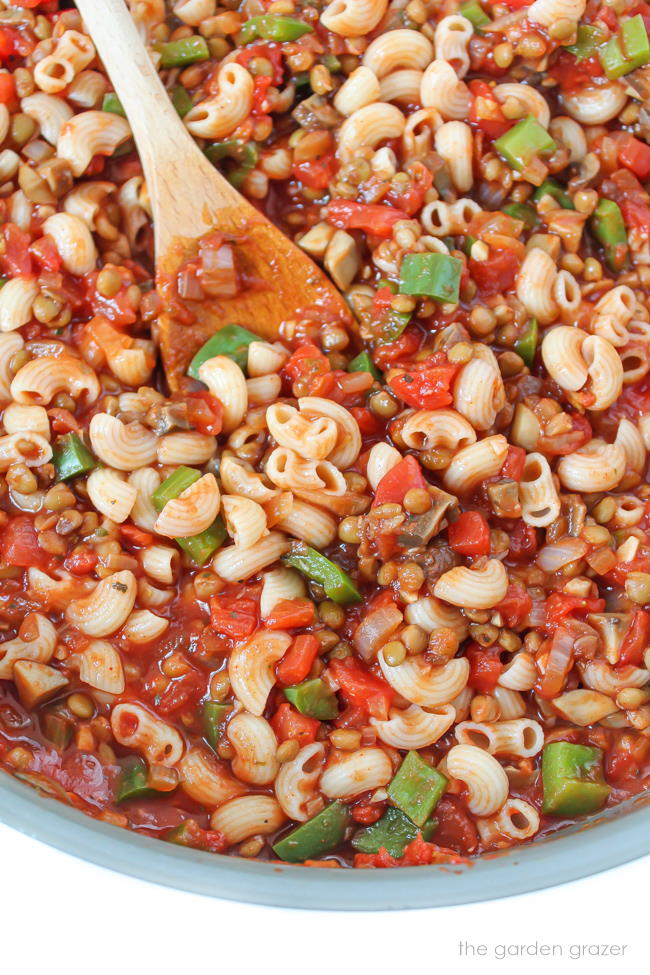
189 198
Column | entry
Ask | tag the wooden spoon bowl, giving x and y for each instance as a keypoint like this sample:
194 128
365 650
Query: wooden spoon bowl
189 200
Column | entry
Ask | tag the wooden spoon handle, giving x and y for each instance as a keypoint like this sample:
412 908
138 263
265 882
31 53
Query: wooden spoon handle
136 82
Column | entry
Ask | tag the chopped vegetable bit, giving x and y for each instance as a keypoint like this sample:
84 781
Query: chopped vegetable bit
363 363
133 782
214 715
187 50
199 547
473 11
271 27
314 699
231 341
337 584
393 832
434 275
526 344
608 228
630 49
71 457
416 788
316 837
523 142
573 781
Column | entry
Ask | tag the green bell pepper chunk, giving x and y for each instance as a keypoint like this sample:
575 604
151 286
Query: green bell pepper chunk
468 243
435 275
608 227
588 40
394 831
71 457
363 363
133 782
181 100
174 485
337 584
526 344
630 49
523 212
314 699
244 153
188 50
111 103
272 27
199 547
57 728
231 341
523 142
551 188
416 788
572 776
186 833
390 326
473 11
214 714
317 836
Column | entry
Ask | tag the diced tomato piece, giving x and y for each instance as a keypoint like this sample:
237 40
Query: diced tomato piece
456 829
271 52
626 758
205 412
81 563
470 534
523 542
497 274
401 349
15 258
19 545
260 94
305 365
559 605
136 536
635 155
409 197
566 443
636 215
367 813
8 95
513 4
234 617
371 217
402 478
29 4
513 465
117 309
417 853
515 605
290 614
369 424
608 16
181 692
316 173
45 254
290 725
298 660
62 420
428 386
484 667
485 111
361 688
636 639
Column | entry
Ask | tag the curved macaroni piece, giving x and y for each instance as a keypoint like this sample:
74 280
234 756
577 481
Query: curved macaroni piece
479 395
255 745
10 343
480 588
547 12
238 477
454 144
107 607
219 115
313 439
598 466
278 585
235 564
540 502
251 668
16 302
111 494
245 520
451 40
124 446
188 448
40 380
530 99
535 282
206 780
73 241
143 513
36 641
292 472
484 778
595 106
135 727
442 89
382 459
309 524
227 383
143 626
348 441
369 126
24 448
192 511
430 614
414 727
522 738
520 674
239 819
30 419
475 463
421 683
100 666
402 48
353 18
402 87
295 783
515 822
49 113
91 134
355 772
